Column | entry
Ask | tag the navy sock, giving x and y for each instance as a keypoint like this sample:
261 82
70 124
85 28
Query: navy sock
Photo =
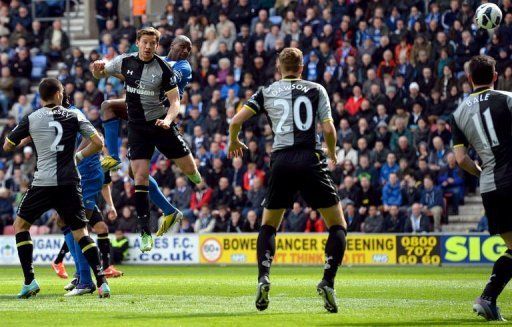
501 275
334 252
266 248
25 249
142 207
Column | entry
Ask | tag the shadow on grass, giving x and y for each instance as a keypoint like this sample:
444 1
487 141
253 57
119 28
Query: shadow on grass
430 322
196 315
39 296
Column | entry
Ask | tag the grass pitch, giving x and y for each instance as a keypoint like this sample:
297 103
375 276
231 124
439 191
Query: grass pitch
211 295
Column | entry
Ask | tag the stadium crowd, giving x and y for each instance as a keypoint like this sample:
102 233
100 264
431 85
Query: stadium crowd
394 71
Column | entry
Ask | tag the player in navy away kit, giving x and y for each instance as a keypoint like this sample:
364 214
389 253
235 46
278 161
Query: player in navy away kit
114 110
293 108
56 182
149 81
484 121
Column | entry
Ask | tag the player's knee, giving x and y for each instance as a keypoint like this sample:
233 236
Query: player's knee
141 179
106 109
130 172
100 227
20 225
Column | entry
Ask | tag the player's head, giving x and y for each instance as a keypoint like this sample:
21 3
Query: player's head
181 47
482 71
148 39
66 103
290 62
51 91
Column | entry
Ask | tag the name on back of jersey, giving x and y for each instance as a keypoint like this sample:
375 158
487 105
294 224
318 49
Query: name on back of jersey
477 99
58 111
288 87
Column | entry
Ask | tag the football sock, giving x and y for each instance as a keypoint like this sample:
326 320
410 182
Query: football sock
62 253
111 128
91 253
25 249
334 251
501 274
158 198
142 207
266 248
70 241
84 271
195 177
104 245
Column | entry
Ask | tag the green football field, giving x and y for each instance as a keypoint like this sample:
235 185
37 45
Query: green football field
211 295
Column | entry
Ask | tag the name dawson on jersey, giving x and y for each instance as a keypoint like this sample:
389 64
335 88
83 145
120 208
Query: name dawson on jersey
291 86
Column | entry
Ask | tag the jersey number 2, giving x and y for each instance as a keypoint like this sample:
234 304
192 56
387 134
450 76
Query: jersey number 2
301 125
490 127
55 147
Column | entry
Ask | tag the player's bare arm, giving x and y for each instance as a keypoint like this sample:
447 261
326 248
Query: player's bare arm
95 145
10 146
330 139
107 196
465 162
236 147
174 108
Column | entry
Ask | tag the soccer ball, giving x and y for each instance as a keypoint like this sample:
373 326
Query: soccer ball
488 16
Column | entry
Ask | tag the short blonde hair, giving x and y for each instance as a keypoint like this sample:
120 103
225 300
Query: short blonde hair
290 59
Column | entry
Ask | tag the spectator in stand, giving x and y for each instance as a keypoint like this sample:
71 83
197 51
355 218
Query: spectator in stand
374 222
391 193
349 191
252 174
199 199
205 223
295 220
353 104
437 159
6 90
56 41
390 167
181 194
417 222
20 108
450 179
394 221
314 223
235 222
432 201
347 152
251 224
353 218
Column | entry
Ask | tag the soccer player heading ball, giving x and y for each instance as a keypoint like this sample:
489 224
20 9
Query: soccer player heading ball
484 121
294 107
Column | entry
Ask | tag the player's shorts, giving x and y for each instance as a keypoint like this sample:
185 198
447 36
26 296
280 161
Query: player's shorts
144 137
96 217
65 199
91 188
303 170
497 205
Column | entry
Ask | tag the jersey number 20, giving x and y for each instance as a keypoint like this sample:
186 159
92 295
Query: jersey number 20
302 125
55 147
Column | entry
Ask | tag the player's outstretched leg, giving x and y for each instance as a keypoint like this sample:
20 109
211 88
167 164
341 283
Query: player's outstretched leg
172 216
334 252
58 265
266 248
92 255
111 126
140 169
25 248
101 229
188 166
485 305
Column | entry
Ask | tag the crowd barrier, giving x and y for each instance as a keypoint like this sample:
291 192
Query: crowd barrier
291 249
